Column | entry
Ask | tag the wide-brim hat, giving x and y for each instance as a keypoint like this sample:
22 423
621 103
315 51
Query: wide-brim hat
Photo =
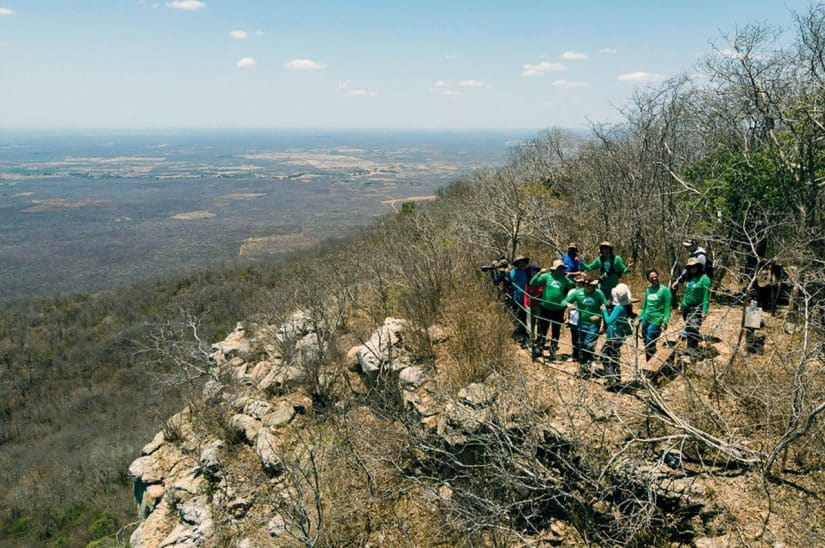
521 259
689 242
557 264
591 281
606 244
693 261
572 245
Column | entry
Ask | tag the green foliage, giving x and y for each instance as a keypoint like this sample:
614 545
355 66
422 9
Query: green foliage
103 525
407 208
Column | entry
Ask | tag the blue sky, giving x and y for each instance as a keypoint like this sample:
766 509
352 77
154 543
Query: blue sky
478 64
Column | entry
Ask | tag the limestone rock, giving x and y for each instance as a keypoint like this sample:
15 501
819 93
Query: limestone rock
195 525
266 447
277 526
212 390
153 445
282 415
147 469
234 345
412 377
257 408
154 528
295 326
477 395
246 425
209 462
385 348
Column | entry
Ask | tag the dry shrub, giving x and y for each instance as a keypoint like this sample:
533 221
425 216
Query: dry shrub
480 329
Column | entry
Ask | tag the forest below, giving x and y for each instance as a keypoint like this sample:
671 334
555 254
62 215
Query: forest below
734 157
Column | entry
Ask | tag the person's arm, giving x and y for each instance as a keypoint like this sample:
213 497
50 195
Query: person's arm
592 266
706 299
536 279
668 298
621 268
680 279
644 306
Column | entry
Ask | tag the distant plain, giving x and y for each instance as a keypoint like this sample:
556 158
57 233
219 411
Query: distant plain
92 211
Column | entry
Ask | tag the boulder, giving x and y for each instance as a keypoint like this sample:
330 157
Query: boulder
277 526
209 462
437 333
384 349
196 525
234 345
212 390
246 425
281 416
147 469
266 447
412 377
297 325
257 408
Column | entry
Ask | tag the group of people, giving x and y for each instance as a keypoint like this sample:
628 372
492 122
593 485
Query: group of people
590 298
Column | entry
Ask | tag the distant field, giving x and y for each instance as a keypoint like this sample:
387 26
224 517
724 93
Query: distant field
88 212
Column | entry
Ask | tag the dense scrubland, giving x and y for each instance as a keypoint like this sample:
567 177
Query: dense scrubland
735 158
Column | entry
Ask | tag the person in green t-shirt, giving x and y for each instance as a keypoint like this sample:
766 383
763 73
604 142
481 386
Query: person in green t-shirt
695 304
655 313
588 302
556 285
611 267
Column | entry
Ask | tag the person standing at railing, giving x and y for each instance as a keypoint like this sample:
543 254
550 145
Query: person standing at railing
618 329
572 260
695 304
556 286
588 301
611 267
655 313
532 299
518 279
573 322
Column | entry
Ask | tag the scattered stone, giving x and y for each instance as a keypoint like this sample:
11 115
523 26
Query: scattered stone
445 492
351 358
282 415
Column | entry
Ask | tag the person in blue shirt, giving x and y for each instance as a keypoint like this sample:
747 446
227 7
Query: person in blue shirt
519 278
572 260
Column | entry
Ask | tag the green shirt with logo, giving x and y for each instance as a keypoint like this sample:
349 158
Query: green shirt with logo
556 287
656 305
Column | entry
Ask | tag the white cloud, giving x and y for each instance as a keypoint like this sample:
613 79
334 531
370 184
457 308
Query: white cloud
246 62
259 33
238 34
539 69
607 50
344 84
472 84
573 55
6 11
304 64
186 4
452 93
451 57
441 83
361 93
569 84
640 76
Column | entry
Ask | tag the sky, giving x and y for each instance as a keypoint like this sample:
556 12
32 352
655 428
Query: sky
390 64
